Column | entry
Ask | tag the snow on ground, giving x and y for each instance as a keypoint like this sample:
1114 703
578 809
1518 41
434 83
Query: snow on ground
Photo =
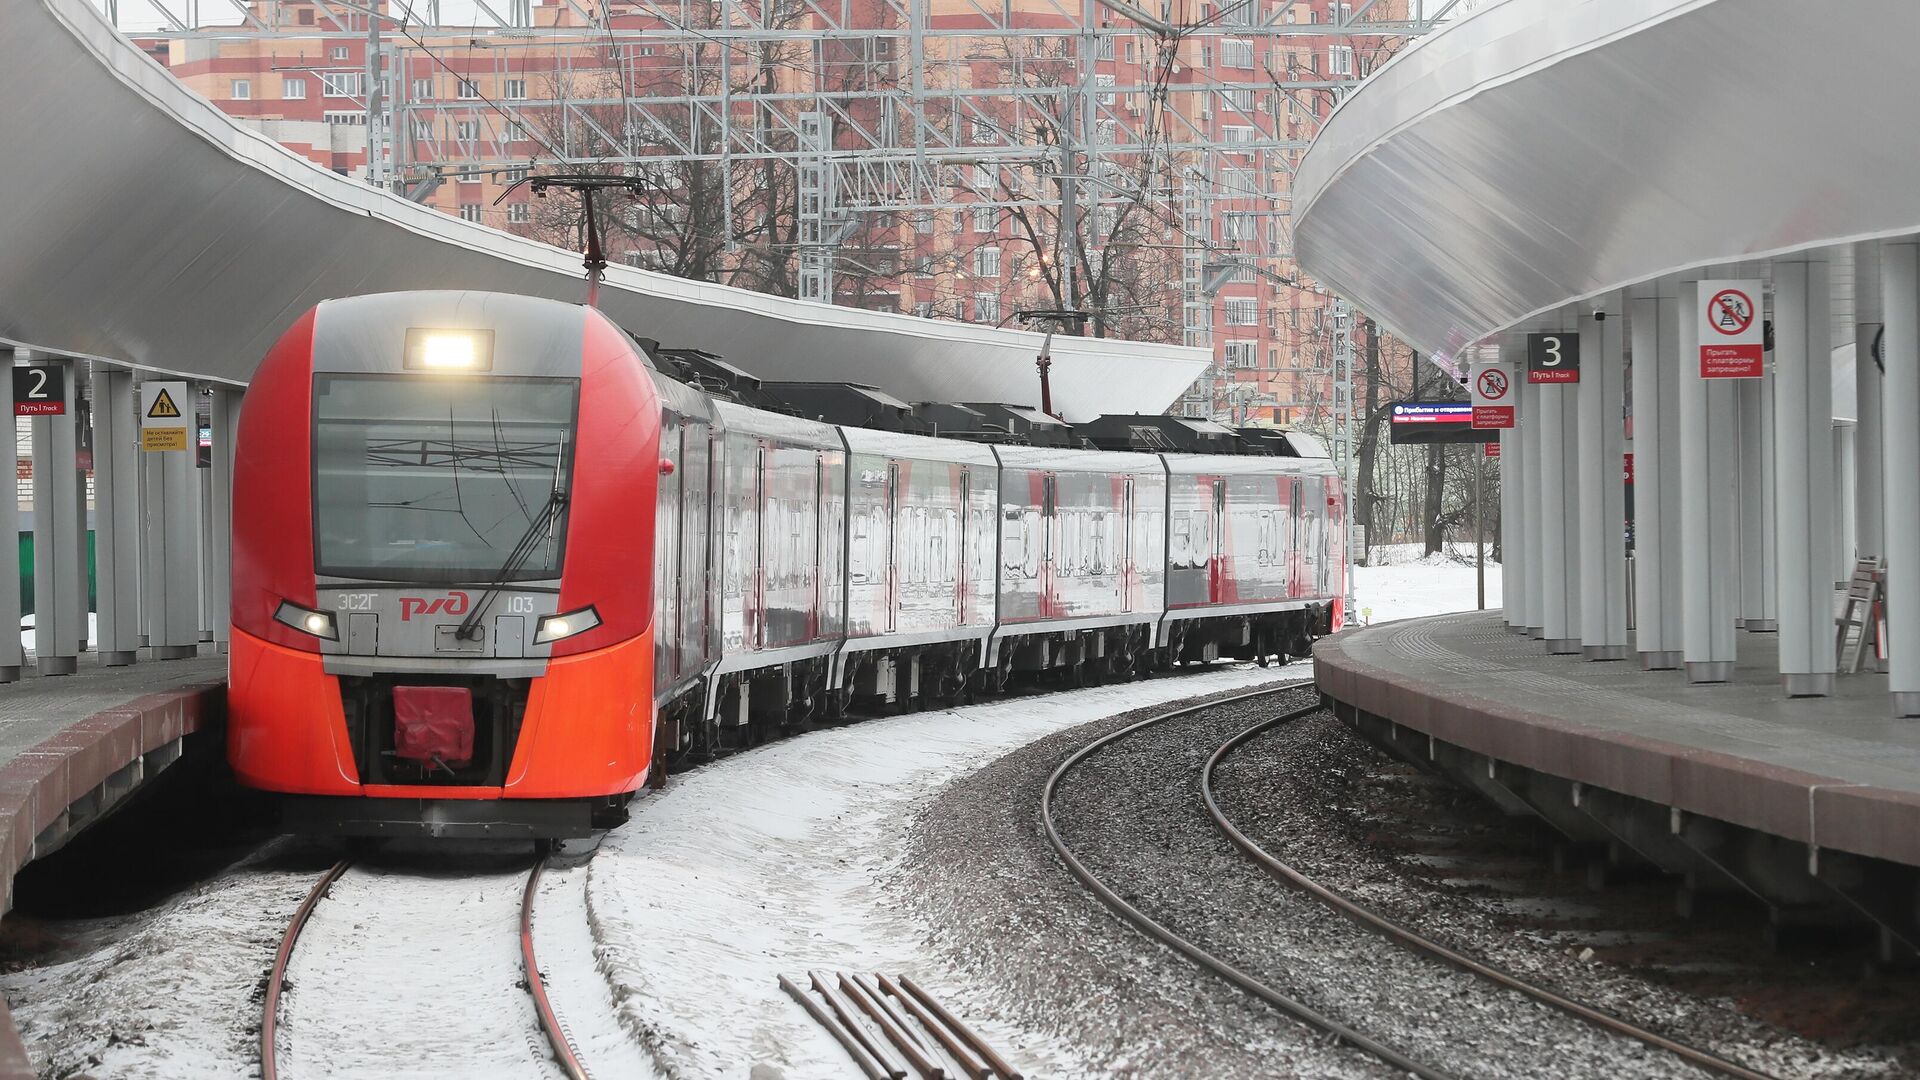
168 993
1406 583
766 863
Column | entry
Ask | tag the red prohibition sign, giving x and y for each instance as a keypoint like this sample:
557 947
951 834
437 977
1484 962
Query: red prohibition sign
1730 312
1493 384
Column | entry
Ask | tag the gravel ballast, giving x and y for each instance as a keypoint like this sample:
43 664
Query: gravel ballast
1010 915
1441 861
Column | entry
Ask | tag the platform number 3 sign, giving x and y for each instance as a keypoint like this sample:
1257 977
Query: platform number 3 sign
1553 358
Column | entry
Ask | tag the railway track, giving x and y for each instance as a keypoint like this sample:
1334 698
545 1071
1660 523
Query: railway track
1371 920
559 1044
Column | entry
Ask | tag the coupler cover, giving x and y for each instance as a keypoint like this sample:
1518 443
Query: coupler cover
433 724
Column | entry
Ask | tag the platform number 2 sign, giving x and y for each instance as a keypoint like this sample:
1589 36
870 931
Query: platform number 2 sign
1553 358
39 391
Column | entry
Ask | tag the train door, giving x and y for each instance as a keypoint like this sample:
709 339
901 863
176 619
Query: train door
823 548
757 602
1296 536
961 550
1217 566
893 548
1049 539
1127 570
666 551
696 546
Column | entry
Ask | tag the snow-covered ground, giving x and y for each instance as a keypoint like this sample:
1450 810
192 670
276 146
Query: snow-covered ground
767 864
1405 583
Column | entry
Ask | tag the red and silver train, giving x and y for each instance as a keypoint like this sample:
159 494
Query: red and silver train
493 572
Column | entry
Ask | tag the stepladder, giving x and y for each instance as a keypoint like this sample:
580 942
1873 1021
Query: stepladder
1860 625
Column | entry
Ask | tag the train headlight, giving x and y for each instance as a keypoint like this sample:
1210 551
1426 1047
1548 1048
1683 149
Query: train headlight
564 625
306 620
449 350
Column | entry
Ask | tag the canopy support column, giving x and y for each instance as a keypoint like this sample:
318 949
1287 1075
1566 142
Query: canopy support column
59 604
225 415
172 582
1869 494
1759 553
1534 505
1656 476
1709 441
1603 513
1513 529
1900 468
1803 462
116 514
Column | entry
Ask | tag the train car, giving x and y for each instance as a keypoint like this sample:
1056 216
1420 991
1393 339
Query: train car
436 623
782 522
920 556
493 572
1248 555
1082 559
686 634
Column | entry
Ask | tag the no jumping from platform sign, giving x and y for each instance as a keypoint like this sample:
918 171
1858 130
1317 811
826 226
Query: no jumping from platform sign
1732 337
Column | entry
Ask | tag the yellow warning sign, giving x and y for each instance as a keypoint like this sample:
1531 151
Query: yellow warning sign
172 438
163 408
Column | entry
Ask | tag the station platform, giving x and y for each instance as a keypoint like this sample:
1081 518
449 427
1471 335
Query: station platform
1811 805
72 746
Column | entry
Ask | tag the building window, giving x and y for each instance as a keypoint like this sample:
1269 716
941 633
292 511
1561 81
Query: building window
1241 99
1340 60
516 131
514 89
344 118
241 90
986 262
518 213
340 83
1194 410
1243 312
339 52
1237 225
469 211
467 130
1235 133
986 308
985 219
293 88
923 222
1106 43
924 309
1105 82
1242 354
468 91
422 130
514 176
982 131
1236 52
423 89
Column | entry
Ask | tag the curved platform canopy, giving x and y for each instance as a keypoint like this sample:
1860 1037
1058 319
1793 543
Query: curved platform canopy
145 227
1540 152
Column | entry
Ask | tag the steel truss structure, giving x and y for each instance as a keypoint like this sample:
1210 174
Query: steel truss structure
884 107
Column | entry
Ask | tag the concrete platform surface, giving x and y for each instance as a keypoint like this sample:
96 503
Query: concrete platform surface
73 746
1835 773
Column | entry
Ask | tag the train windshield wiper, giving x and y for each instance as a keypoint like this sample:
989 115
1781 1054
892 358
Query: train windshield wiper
523 549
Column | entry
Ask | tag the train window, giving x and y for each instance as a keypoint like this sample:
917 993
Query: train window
1182 541
419 479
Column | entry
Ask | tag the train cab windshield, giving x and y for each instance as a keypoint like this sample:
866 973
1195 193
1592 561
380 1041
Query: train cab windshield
441 479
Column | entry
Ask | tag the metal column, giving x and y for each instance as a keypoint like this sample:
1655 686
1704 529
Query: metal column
1559 540
1900 468
11 653
1603 497
116 514
1656 475
1513 531
1803 464
1709 536
59 615
225 415
1867 381
1533 503
1759 551
171 508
